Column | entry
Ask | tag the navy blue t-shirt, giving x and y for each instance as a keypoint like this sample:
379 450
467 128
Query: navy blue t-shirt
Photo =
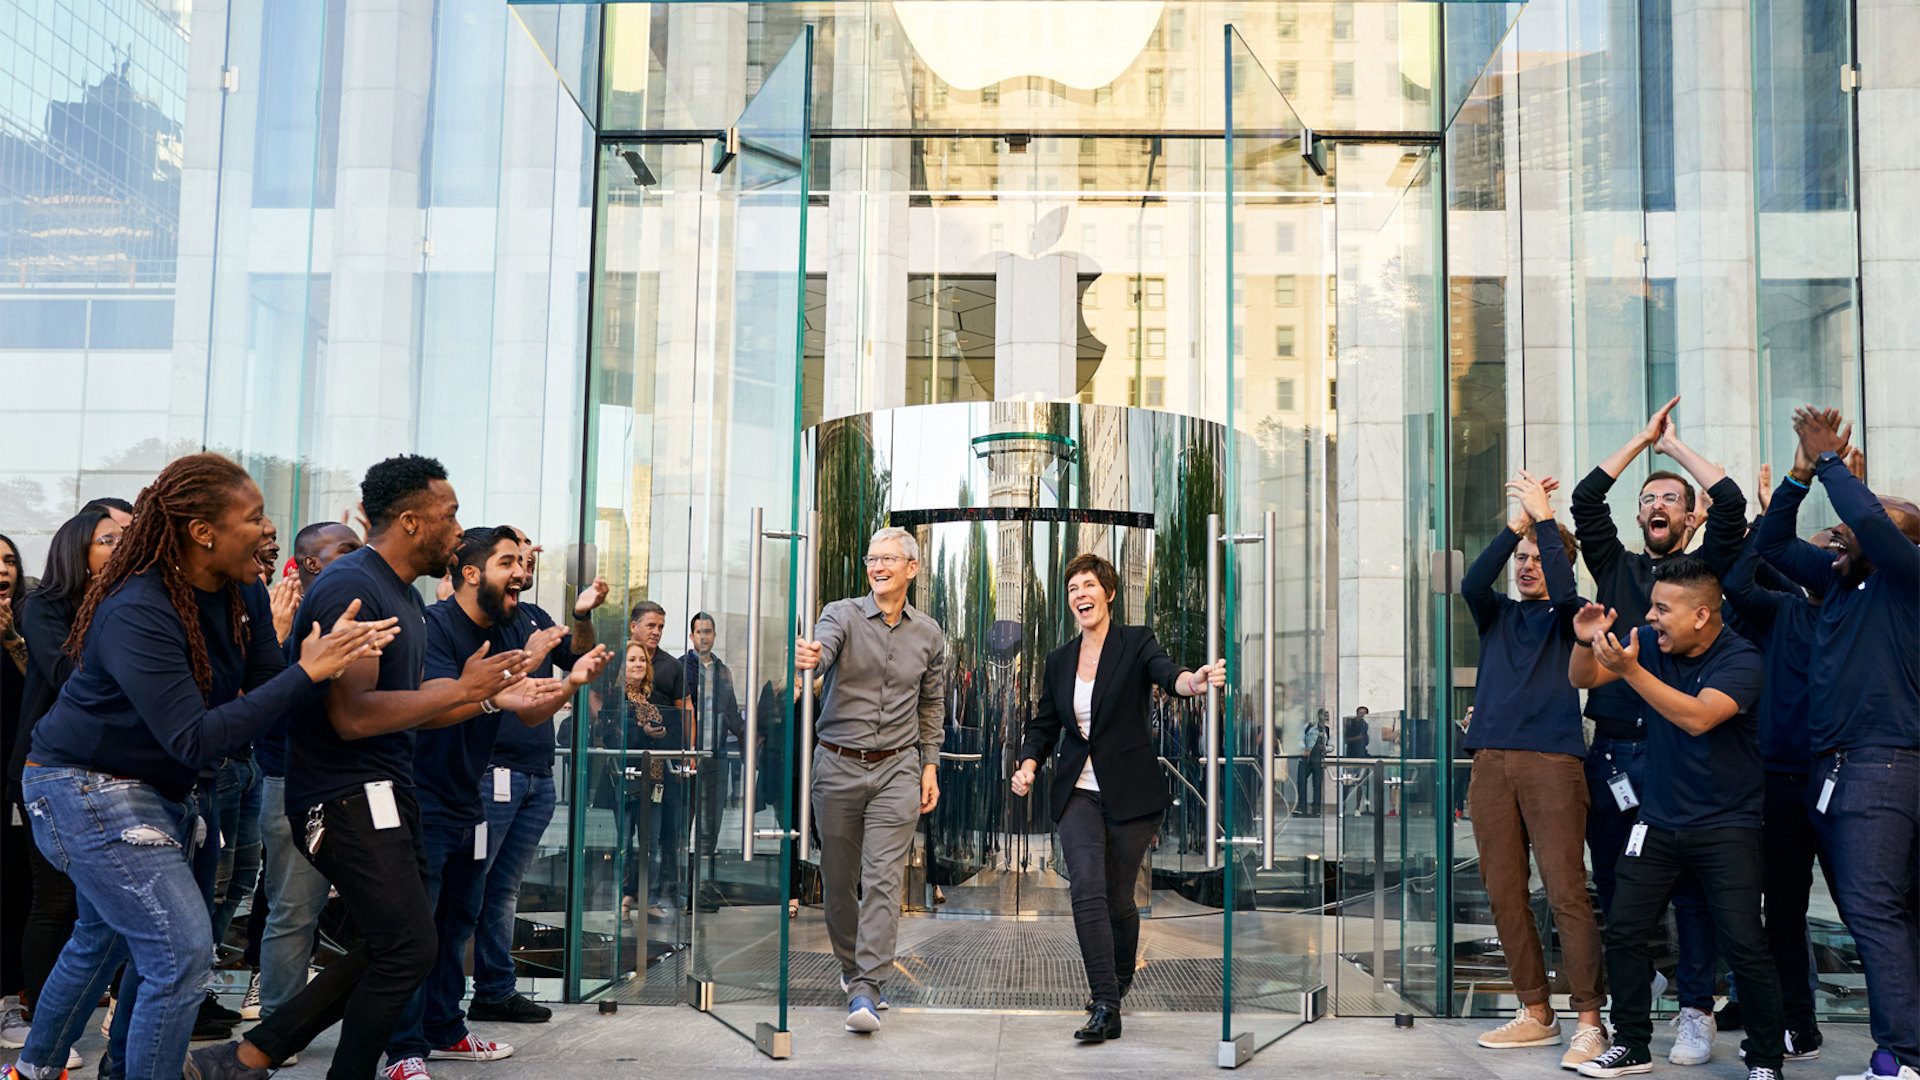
530 749
133 708
320 764
1781 623
449 761
1715 780
1522 699
270 749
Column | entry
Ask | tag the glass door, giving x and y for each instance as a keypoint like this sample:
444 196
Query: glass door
1266 551
745 560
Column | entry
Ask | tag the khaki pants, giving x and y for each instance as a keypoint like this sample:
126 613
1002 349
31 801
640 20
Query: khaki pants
1523 799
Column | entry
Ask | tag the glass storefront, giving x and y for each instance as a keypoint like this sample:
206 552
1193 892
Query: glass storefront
1263 300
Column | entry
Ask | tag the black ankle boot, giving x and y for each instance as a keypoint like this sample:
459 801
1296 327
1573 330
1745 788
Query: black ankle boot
1104 1024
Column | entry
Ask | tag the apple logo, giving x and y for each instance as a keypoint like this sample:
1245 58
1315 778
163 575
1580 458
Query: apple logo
1082 43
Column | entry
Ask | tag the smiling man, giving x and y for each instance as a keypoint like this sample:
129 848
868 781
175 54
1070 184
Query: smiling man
1701 807
1623 581
1526 790
874 770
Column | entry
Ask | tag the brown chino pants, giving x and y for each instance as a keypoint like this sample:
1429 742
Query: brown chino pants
1521 799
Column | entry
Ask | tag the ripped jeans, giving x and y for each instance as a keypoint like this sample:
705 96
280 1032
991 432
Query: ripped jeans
128 850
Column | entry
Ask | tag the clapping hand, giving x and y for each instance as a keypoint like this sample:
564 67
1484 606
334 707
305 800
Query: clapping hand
1615 657
1765 492
326 657
1821 431
590 598
1591 621
539 644
1658 426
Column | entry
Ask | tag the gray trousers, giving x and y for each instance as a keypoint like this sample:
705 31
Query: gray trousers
866 816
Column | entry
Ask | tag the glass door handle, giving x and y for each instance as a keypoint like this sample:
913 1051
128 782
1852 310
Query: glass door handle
1211 729
1265 538
749 743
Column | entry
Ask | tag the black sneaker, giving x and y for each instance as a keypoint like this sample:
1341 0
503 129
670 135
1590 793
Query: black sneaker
1763 1074
220 1063
211 1008
209 1029
517 1009
1803 1045
1728 1018
1618 1061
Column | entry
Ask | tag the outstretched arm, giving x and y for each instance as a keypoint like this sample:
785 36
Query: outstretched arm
1892 552
1801 563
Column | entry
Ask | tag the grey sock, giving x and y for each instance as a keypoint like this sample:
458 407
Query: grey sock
37 1072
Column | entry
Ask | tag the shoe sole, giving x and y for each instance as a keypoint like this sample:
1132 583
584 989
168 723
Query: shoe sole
863 1022
470 1055
1671 1060
1554 1041
1624 1070
1090 1039
489 1019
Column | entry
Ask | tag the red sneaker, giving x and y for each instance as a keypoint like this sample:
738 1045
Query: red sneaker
8 1072
407 1069
472 1049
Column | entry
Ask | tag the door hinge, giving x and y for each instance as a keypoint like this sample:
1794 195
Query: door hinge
426 246
230 79
1640 251
1849 78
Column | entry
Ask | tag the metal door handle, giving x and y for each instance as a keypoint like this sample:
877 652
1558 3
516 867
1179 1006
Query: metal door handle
809 600
1266 689
944 756
1211 729
750 741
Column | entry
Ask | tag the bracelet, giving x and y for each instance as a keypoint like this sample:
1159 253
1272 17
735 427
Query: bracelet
1582 644
577 617
487 706
1797 482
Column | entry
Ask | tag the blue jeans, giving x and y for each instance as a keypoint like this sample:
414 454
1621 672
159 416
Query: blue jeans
238 797
1872 830
127 850
296 895
514 829
456 881
1607 829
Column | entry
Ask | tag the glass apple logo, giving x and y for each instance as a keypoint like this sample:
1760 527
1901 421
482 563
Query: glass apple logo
1082 43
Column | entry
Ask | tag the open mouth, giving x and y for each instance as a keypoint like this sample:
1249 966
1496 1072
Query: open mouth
1659 524
1841 553
1083 609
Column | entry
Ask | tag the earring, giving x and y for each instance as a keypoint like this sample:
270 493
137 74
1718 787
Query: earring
208 544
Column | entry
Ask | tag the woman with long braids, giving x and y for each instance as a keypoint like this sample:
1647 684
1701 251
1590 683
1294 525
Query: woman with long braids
78 551
172 631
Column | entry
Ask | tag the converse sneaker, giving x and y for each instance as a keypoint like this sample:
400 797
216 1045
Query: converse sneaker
411 1068
472 1049
1694 1043
1763 1074
1522 1030
1588 1043
1618 1061
250 1005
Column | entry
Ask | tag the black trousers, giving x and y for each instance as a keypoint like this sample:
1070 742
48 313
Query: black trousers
1103 861
1727 863
381 874
49 922
1791 846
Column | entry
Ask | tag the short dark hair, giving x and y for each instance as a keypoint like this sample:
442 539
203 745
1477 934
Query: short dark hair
1688 572
698 618
477 544
308 537
391 486
1359 710
66 574
1103 572
109 502
1685 485
646 607
1567 539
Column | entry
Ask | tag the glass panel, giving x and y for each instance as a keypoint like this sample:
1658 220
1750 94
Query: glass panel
1274 499
744 463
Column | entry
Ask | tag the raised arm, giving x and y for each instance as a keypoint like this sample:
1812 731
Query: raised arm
1801 563
1476 585
1893 554
1043 727
1755 603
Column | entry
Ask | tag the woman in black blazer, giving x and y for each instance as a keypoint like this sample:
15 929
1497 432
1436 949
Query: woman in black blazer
1108 794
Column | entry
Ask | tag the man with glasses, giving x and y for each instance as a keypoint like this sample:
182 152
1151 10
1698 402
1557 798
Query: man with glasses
874 770
1616 762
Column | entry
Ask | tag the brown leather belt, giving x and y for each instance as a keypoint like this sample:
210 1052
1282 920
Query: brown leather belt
865 757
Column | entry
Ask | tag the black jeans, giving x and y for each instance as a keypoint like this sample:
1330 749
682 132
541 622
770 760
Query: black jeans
1790 850
49 922
1103 861
1727 863
381 874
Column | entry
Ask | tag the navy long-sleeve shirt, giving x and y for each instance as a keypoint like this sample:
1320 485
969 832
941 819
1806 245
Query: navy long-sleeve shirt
1780 622
132 709
1864 672
1522 699
1623 581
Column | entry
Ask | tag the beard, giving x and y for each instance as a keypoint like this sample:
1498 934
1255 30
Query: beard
1675 538
493 603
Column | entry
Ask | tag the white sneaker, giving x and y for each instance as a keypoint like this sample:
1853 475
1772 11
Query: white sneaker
1694 1044
250 1005
13 1023
74 1060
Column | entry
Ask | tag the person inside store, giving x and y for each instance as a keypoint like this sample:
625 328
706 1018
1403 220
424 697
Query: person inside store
177 666
1700 808
1096 693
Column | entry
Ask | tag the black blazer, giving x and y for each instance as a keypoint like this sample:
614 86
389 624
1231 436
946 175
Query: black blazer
1131 663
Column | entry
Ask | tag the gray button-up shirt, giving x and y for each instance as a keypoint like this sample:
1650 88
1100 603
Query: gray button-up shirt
885 685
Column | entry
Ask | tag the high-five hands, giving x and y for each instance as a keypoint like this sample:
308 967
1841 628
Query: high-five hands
1660 425
1821 431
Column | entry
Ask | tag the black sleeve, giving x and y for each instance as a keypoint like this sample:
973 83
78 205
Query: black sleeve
1476 585
266 657
1750 600
1593 526
1726 526
1043 727
1892 553
46 624
1161 669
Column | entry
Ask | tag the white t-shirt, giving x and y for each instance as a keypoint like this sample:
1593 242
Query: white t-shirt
1083 712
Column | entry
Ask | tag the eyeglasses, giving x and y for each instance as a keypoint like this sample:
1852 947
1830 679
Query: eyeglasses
884 560
108 540
1665 497
1521 558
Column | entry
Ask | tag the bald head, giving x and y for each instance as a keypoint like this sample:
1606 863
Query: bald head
1905 515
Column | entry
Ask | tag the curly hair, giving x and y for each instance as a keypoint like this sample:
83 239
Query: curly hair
199 486
390 487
